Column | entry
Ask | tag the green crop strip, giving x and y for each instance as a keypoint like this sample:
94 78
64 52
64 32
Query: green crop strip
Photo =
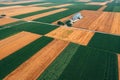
50 5
10 31
113 8
14 23
38 28
70 11
105 42
90 64
4 5
57 67
33 13
10 63
30 3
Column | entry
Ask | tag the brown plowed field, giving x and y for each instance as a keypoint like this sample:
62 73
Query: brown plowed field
4 21
16 42
21 10
71 34
33 67
44 14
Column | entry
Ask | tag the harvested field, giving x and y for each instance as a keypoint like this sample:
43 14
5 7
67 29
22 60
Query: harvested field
21 10
115 29
103 23
4 21
99 21
17 41
10 7
88 18
71 34
33 67
119 65
44 14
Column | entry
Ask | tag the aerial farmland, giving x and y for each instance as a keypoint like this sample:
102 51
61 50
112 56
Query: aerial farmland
59 39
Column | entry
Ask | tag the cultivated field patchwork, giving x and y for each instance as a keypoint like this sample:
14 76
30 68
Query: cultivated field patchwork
33 46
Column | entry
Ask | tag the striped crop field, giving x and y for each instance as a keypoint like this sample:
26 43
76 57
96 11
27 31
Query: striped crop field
36 42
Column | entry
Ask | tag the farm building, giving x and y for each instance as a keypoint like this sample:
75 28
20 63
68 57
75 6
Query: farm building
76 17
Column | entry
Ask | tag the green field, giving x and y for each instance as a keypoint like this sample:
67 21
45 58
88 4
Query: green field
37 28
29 3
113 7
82 63
105 42
57 67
